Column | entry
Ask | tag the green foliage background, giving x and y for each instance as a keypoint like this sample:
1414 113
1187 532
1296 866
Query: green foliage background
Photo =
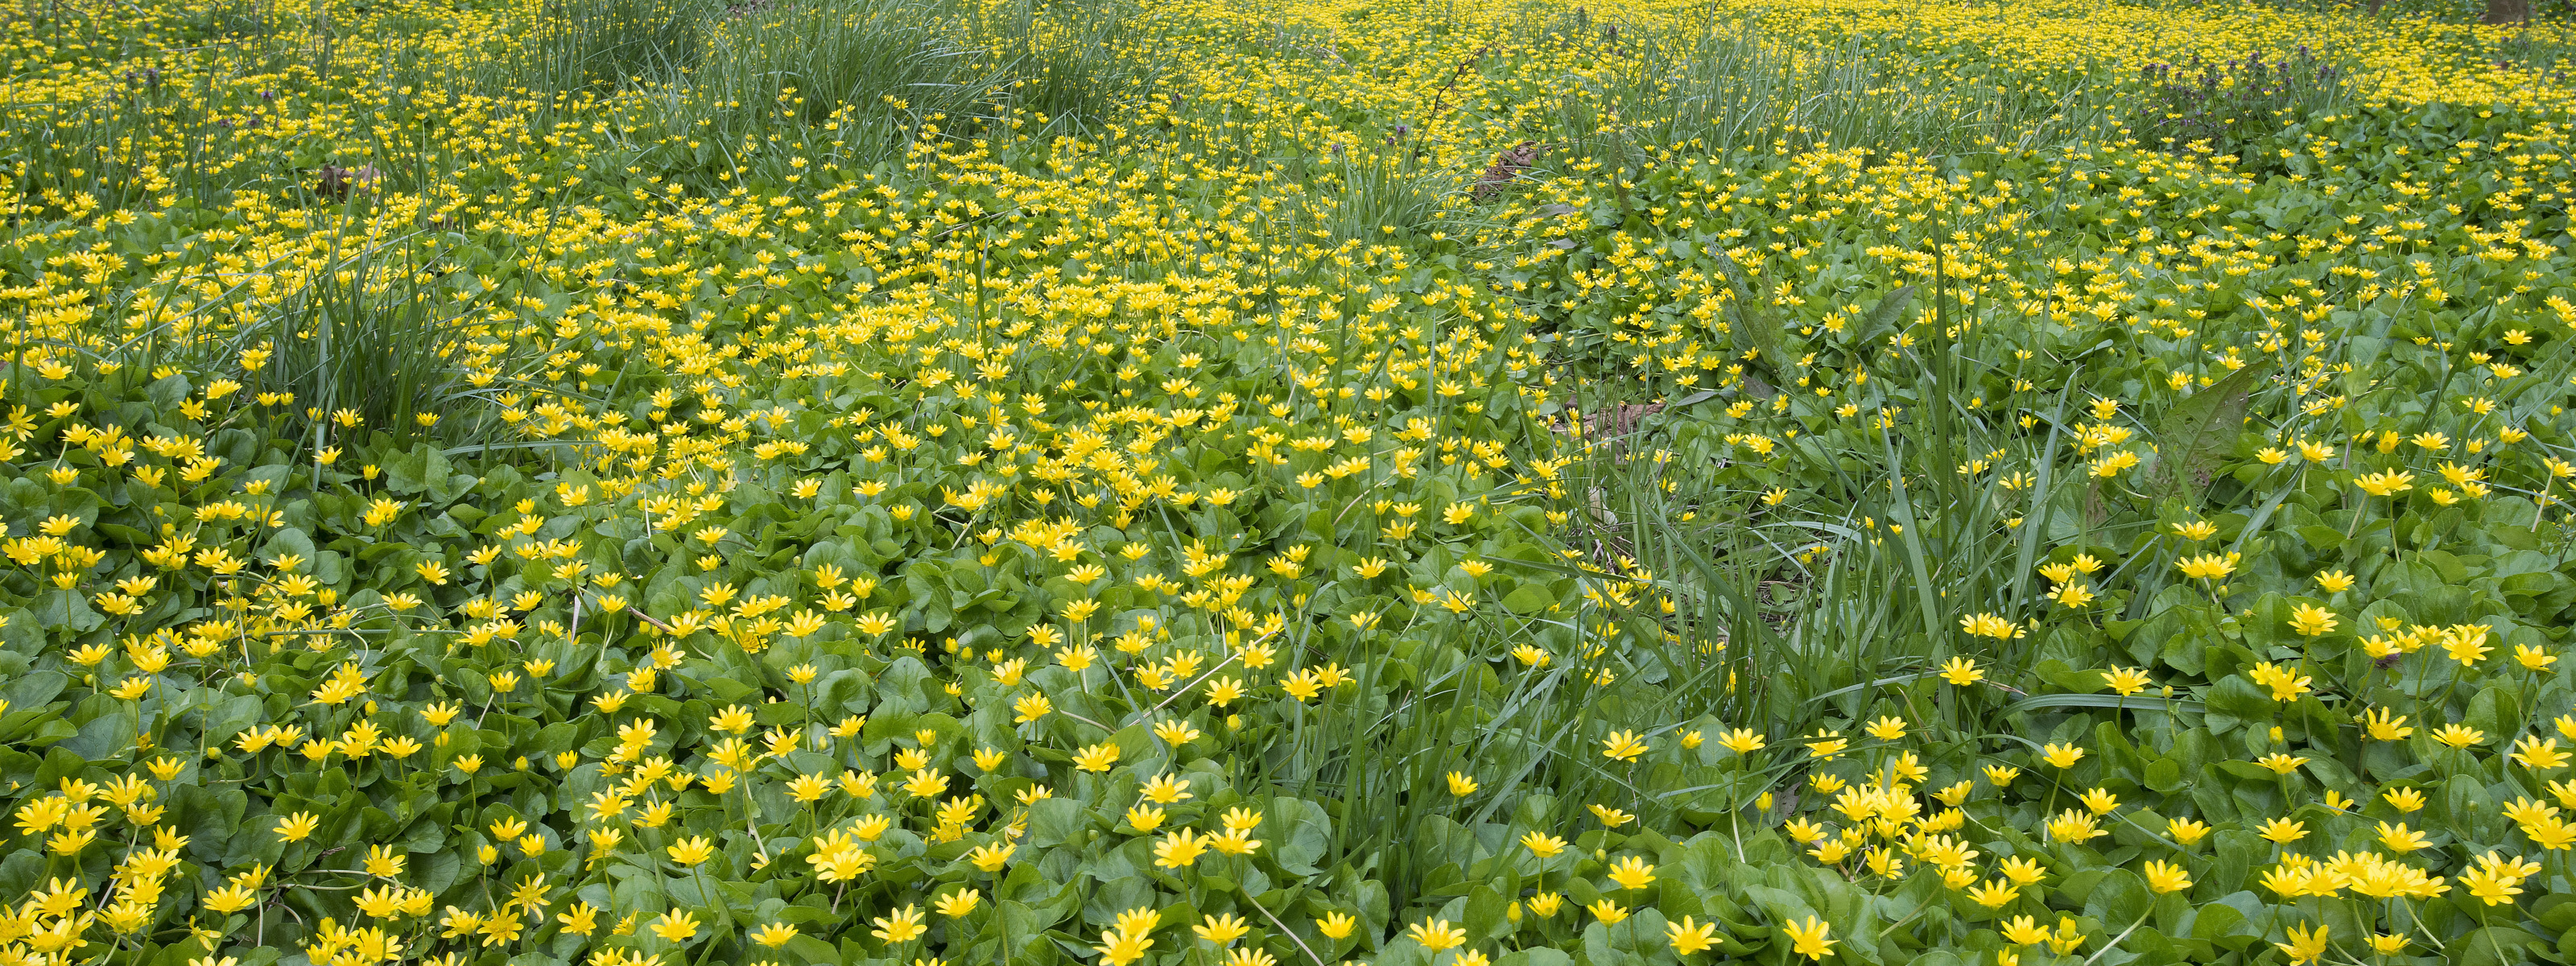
878 482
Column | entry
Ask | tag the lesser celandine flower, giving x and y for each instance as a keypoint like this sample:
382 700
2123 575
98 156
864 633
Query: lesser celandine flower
1436 934
1623 746
2126 681
297 827
1809 938
1961 672
2163 877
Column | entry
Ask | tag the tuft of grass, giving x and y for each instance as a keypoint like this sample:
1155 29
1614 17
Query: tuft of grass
1733 83
577 45
2230 105
849 82
869 73
362 336
1379 191
1073 64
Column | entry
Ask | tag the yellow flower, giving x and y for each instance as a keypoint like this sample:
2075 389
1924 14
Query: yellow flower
1541 844
2285 685
2466 644
1808 939
2459 736
1179 850
1335 925
1827 744
990 857
1436 935
1990 625
2305 946
1961 672
296 827
2399 838
2126 681
2539 754
903 925
2407 800
1120 947
2058 756
2068 936
2384 726
2099 801
1099 757
1689 936
1144 818
1994 894
1622 746
2164 877
675 925
580 919
1632 872
692 851
2208 566
231 899
2310 620
2074 826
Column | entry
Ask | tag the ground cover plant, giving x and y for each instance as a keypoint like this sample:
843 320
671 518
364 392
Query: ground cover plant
1425 484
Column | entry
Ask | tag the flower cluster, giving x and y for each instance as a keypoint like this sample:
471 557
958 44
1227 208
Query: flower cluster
615 482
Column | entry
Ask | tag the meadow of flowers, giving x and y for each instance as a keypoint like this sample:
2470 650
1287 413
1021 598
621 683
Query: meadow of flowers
1433 483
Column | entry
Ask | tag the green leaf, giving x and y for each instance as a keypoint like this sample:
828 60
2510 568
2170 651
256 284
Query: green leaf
2135 702
2196 432
1751 316
1304 833
813 950
1529 598
1057 821
2491 946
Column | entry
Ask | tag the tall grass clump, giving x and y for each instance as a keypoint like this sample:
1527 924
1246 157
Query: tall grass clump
860 82
872 70
115 144
1073 64
1382 190
369 338
1731 84
576 45
2226 106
